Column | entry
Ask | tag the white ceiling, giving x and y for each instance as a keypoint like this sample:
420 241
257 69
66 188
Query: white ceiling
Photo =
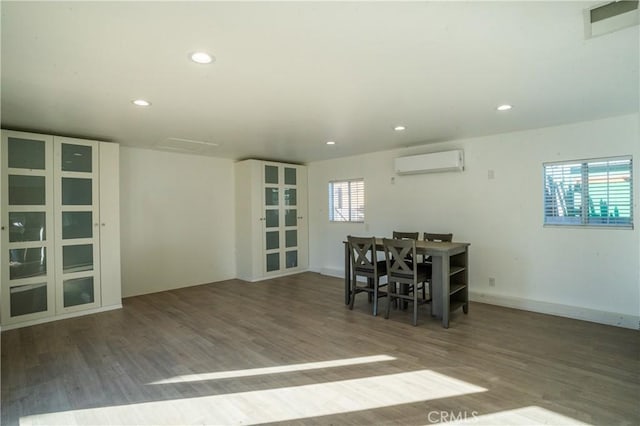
290 76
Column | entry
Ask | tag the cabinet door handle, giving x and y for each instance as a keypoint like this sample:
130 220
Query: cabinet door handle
103 224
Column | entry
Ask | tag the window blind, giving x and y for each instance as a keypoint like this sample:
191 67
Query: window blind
595 192
346 201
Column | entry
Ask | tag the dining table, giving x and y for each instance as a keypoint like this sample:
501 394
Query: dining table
449 280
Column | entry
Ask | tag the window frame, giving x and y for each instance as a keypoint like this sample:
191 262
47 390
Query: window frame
331 197
584 221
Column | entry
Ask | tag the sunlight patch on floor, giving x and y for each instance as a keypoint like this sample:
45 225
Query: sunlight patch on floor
273 370
529 416
272 405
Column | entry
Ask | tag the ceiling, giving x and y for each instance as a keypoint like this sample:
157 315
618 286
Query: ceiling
290 76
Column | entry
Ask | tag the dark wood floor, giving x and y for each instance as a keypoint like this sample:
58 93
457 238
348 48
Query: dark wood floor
495 365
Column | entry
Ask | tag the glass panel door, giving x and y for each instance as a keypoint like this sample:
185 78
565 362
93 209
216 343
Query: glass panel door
28 276
291 217
281 218
271 202
77 224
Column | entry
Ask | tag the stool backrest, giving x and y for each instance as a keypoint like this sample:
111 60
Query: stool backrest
445 238
363 253
398 254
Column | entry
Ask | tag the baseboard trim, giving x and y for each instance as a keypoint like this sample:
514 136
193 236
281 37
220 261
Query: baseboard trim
549 308
61 317
567 311
255 280
337 273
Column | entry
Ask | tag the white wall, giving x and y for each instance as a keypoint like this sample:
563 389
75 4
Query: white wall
582 273
177 220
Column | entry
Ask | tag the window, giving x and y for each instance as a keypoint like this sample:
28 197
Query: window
589 193
346 201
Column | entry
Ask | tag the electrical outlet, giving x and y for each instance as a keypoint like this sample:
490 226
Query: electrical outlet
492 282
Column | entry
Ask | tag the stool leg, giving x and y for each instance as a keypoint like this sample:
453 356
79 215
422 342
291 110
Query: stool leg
375 298
353 291
390 286
415 307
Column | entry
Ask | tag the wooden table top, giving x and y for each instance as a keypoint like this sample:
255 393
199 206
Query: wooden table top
430 247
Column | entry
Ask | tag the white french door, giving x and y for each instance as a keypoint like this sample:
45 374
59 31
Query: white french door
283 219
50 226
77 224
27 222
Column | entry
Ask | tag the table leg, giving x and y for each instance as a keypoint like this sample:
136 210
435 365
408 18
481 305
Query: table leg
436 286
445 290
440 287
347 274
465 307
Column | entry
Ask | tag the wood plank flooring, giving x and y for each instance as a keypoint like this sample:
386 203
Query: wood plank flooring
244 353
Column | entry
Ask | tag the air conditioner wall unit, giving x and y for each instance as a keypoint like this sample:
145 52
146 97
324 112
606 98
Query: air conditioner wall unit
446 161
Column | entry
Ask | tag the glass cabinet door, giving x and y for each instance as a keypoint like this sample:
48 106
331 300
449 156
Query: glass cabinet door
77 224
272 183
291 217
50 222
281 218
28 278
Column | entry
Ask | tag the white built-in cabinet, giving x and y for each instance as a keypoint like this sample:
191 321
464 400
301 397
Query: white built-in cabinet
60 237
271 219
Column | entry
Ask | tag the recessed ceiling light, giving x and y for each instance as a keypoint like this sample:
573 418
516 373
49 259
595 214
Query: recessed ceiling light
201 57
331 143
141 102
399 128
505 107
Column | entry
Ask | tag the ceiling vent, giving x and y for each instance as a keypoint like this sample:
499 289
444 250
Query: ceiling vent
611 17
187 146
